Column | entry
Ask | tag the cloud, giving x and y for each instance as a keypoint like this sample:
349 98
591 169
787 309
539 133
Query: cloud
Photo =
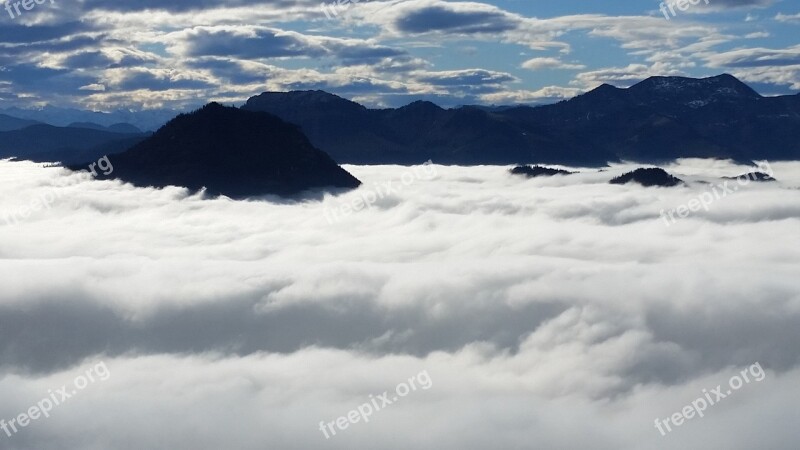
756 57
516 295
465 78
190 50
547 95
93 87
744 3
259 42
459 18
780 17
762 65
549 63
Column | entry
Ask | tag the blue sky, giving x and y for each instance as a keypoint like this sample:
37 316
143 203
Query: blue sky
103 55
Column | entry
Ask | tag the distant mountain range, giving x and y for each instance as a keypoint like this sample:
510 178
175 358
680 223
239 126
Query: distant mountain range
115 128
9 123
74 143
147 120
232 152
42 142
656 120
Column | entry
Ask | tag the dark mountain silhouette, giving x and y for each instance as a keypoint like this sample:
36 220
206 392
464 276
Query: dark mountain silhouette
657 120
753 176
648 177
412 134
232 152
538 171
48 143
663 118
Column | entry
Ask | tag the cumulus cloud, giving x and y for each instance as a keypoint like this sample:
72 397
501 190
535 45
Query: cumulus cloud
563 308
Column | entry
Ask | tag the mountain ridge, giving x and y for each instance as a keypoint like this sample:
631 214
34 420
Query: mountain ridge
658 119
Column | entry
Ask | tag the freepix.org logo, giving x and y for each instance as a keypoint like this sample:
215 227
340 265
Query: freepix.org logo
668 8
54 398
13 7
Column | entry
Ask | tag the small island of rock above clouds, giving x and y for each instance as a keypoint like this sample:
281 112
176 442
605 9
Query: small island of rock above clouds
232 152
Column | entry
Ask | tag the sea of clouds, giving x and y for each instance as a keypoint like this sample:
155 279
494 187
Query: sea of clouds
557 313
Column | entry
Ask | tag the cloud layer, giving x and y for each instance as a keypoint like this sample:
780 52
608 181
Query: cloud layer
561 312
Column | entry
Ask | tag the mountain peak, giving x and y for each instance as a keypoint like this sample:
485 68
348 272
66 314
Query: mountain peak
306 99
601 94
648 177
658 119
720 86
233 152
606 87
213 106
422 105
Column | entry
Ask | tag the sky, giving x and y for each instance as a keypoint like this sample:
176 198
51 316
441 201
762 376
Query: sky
557 313
147 54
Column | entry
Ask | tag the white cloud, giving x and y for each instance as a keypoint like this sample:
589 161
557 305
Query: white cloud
562 308
780 17
549 63
549 94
